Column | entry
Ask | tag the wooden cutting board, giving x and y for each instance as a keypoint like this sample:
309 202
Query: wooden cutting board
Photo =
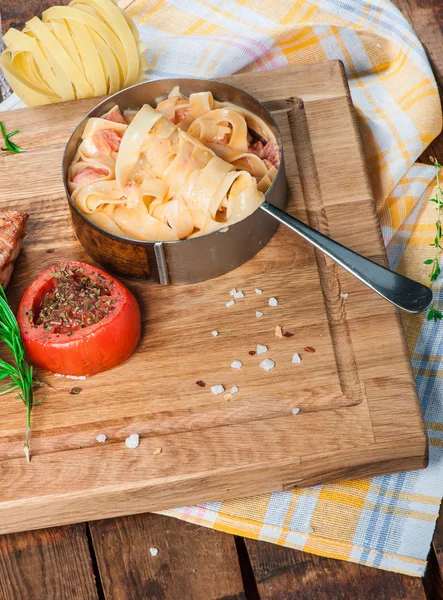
359 413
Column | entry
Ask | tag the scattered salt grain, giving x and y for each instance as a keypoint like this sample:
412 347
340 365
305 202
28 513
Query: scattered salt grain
257 291
233 292
296 358
157 451
236 364
217 389
101 438
228 396
273 302
75 376
295 411
132 441
234 389
230 303
214 333
261 349
344 296
153 551
267 364
278 331
239 294
258 314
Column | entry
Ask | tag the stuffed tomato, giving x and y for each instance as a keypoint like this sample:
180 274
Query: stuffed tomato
75 319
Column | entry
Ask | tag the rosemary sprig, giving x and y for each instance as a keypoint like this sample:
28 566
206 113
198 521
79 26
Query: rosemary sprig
10 146
433 313
18 372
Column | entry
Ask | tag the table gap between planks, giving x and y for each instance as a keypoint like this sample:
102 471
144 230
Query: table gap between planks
111 559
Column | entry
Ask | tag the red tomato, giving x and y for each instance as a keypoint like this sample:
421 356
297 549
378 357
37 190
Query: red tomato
76 319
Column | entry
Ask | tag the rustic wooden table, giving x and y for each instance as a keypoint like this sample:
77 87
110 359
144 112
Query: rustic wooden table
111 558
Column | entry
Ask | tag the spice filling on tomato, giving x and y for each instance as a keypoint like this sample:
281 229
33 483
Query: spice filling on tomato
70 300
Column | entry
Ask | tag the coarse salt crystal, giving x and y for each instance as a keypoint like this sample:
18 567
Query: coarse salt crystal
233 292
228 396
234 389
230 303
257 291
258 314
273 302
278 331
133 440
75 376
344 296
236 364
296 358
214 333
217 389
153 551
239 294
261 349
267 364
295 411
101 438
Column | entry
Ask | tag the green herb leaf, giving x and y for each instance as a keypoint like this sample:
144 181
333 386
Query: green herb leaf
437 244
434 314
10 146
18 371
435 272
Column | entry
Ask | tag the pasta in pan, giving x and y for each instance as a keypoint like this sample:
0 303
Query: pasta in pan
189 167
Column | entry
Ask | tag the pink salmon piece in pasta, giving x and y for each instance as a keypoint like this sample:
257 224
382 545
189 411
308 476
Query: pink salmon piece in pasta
180 114
89 173
108 140
271 152
256 149
115 116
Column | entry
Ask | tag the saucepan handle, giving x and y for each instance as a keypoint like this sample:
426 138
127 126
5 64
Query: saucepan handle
405 293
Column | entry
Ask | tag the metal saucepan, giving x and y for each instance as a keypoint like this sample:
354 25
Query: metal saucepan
208 256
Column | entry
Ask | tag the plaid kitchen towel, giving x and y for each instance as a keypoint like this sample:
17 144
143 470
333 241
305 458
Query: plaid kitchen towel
385 522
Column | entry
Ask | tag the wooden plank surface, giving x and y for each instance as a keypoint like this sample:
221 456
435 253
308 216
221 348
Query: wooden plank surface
253 444
427 18
49 564
285 574
193 563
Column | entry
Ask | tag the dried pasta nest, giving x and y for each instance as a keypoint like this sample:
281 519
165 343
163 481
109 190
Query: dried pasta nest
89 48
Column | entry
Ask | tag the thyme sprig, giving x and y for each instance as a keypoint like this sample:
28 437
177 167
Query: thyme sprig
433 313
17 374
10 146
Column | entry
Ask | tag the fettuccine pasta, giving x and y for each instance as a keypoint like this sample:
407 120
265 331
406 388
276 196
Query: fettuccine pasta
89 48
187 168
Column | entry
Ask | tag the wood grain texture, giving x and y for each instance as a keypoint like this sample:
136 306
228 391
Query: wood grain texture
429 29
285 574
52 564
214 448
193 563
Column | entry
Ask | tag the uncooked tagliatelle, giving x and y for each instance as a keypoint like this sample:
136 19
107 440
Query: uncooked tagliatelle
89 48
187 168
